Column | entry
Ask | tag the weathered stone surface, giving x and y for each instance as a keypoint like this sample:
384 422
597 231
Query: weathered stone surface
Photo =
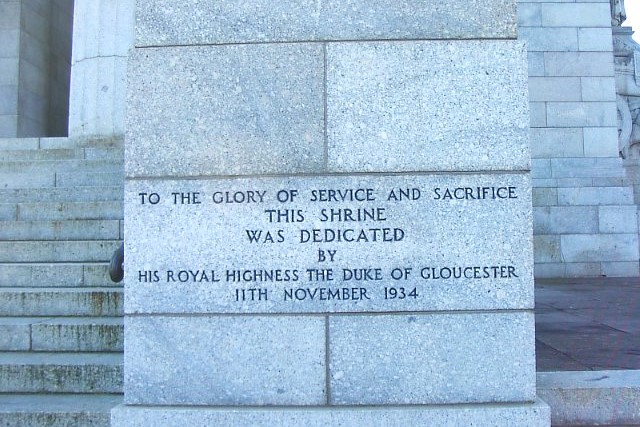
225 360
206 257
225 110
166 22
432 105
534 415
432 359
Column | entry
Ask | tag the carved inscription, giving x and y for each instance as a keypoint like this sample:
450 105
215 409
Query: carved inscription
322 243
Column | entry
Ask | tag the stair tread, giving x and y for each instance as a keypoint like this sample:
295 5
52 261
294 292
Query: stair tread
27 358
52 320
61 194
16 402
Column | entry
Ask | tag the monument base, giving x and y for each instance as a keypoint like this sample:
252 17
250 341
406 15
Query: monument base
496 415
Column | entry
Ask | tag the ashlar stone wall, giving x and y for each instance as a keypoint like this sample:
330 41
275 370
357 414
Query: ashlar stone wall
585 218
35 51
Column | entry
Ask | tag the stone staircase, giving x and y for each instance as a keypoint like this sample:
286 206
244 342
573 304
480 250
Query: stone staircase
61 326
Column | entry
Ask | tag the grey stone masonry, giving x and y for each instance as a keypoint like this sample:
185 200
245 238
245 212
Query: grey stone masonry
61 326
579 179
328 215
35 67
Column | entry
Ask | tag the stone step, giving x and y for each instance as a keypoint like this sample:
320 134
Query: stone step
72 165
90 153
12 144
39 179
57 410
30 372
51 195
104 153
60 211
584 398
73 179
49 178
62 334
57 251
32 155
81 302
59 275
81 229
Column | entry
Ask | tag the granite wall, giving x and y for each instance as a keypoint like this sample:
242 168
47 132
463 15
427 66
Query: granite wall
585 218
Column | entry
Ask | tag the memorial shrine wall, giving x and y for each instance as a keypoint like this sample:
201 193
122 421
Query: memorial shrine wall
585 212
585 215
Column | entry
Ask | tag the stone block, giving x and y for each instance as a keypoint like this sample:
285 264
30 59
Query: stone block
565 219
545 196
529 15
595 196
8 100
57 409
618 219
582 269
595 39
432 359
8 72
598 89
620 181
536 64
78 334
27 180
601 142
538 114
71 211
85 179
507 415
10 46
30 372
545 183
549 270
593 64
556 142
49 275
554 89
239 109
430 105
225 360
61 302
95 113
547 249
574 182
620 269
49 143
581 114
8 126
576 15
10 15
599 247
57 251
13 143
592 397
28 127
450 262
59 230
97 275
586 167
8 212
540 168
15 334
545 39
164 22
